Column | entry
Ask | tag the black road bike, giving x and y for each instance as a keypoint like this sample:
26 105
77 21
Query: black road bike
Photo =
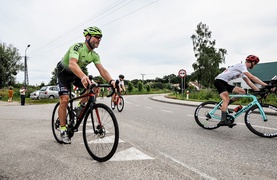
100 127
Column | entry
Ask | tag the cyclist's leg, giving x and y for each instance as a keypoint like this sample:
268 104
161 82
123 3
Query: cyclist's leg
64 80
223 89
78 83
62 109
112 101
236 90
225 98
62 116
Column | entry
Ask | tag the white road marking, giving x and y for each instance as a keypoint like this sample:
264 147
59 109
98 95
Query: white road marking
109 139
204 175
148 107
167 111
130 154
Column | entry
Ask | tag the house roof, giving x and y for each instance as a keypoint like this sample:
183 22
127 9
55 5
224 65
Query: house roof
265 71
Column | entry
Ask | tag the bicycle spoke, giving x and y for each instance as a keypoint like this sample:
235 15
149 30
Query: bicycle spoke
203 118
101 133
260 127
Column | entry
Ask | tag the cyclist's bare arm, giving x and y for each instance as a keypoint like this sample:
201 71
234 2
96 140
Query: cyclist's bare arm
123 87
250 84
255 79
105 74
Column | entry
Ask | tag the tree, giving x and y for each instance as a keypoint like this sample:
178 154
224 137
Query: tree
130 86
140 86
54 78
208 57
10 64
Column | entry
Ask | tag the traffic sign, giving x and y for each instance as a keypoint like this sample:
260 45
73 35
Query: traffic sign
182 73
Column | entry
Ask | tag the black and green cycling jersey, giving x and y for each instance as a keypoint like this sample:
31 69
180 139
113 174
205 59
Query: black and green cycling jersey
80 52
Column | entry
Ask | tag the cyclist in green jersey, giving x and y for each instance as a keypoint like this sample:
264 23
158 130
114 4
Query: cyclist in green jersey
69 70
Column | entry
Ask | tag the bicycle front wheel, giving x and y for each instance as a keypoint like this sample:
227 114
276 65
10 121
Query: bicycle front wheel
120 104
256 124
202 117
100 132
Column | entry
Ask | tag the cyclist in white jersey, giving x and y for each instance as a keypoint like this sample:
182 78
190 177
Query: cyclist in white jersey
121 86
234 72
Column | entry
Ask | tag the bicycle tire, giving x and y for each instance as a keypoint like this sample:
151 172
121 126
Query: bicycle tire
257 125
201 117
55 122
120 104
101 140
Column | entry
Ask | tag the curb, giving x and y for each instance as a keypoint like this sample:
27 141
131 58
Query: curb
164 99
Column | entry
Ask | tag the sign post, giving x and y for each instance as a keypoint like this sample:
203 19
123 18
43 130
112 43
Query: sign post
182 73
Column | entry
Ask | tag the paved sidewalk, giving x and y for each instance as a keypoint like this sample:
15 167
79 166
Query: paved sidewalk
165 99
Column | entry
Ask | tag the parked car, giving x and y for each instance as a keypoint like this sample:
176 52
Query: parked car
34 95
49 92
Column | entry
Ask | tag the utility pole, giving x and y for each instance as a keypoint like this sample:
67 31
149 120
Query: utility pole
26 79
142 76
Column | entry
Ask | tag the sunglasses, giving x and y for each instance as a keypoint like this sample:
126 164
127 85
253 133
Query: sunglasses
97 36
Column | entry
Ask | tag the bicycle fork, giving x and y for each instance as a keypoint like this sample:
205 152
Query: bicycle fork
210 114
100 129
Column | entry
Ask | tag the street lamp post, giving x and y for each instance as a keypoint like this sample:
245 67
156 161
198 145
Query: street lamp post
26 80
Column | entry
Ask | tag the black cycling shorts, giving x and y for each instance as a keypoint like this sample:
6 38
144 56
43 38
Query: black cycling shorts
223 86
65 79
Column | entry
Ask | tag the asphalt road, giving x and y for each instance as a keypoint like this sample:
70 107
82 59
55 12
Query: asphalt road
157 141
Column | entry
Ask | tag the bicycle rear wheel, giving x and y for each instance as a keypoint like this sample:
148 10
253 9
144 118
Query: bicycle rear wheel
120 104
257 125
202 117
100 132
56 123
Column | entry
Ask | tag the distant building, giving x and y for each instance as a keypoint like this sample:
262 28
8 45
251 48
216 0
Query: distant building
264 71
195 85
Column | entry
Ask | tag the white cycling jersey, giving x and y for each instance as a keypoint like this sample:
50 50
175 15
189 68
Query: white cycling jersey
121 82
233 72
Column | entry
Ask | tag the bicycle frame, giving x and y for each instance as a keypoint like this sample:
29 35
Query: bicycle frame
244 109
89 105
117 98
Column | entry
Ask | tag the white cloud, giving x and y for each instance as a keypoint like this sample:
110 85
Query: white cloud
140 36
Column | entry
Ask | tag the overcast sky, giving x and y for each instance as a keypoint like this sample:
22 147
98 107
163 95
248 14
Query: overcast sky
151 37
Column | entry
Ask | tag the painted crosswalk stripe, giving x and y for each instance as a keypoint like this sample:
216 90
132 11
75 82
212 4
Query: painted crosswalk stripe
130 154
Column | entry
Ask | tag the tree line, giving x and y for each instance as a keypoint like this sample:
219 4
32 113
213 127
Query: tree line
206 66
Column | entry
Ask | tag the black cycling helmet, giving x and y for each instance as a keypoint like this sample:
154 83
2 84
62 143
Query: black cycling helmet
121 76
253 58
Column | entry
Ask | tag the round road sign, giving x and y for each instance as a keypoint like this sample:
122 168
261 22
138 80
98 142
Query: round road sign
182 73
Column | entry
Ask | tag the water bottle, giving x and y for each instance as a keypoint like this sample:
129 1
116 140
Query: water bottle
238 108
